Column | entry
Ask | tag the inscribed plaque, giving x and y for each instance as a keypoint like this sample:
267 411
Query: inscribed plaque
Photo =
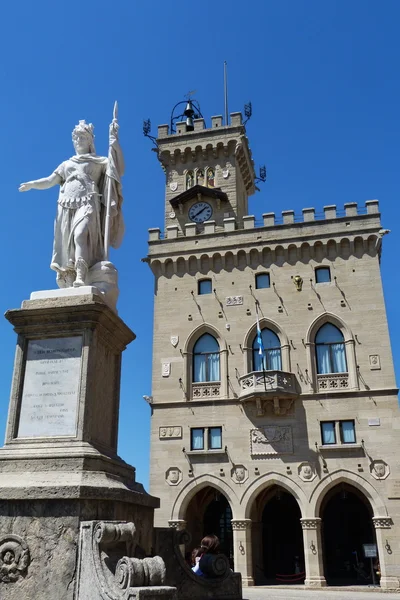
51 387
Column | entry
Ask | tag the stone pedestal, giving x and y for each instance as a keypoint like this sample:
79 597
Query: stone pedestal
313 553
243 550
59 466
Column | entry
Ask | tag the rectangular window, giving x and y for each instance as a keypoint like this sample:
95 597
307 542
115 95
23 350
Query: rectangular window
347 432
197 439
215 438
204 286
322 275
328 432
262 281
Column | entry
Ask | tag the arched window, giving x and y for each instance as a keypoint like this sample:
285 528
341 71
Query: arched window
330 350
189 180
200 177
210 177
267 358
206 359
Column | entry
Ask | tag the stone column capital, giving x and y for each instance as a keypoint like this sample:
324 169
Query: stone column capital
241 524
310 523
382 522
178 524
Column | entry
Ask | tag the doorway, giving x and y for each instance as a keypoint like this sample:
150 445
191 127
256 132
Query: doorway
346 527
281 560
209 512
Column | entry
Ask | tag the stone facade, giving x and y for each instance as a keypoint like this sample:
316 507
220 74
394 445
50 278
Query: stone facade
270 420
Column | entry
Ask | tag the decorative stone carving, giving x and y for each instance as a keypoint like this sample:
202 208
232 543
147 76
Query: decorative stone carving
306 471
205 390
225 173
310 523
107 570
166 369
14 558
336 381
374 362
170 433
178 524
174 340
382 522
239 474
241 524
379 469
233 300
173 186
271 439
270 406
173 476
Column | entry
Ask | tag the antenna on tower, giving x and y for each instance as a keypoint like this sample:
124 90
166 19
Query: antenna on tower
146 133
226 92
248 111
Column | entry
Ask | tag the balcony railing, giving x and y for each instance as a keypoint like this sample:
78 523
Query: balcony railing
267 383
206 390
333 381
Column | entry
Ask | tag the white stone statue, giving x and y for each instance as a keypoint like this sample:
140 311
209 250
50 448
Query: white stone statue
89 217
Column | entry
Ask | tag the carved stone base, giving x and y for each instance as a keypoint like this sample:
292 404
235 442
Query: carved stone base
315 582
390 583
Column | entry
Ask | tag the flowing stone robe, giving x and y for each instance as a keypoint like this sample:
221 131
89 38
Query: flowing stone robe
86 181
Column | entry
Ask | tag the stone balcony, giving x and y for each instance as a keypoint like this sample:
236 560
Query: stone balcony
277 387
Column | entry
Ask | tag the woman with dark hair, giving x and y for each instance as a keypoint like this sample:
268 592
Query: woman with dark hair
209 545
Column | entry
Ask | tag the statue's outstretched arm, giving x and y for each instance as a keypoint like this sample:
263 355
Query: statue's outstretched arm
41 184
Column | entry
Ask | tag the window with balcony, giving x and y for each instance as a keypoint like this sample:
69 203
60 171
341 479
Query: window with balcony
262 281
322 275
200 435
268 357
204 286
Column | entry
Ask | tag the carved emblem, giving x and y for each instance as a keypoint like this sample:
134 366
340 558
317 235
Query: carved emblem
379 469
14 558
174 340
173 476
306 471
298 282
170 432
225 173
374 362
173 186
239 474
166 369
271 440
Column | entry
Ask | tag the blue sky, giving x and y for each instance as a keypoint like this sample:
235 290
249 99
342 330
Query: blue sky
323 78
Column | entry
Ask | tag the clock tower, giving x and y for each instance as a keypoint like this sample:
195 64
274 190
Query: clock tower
209 173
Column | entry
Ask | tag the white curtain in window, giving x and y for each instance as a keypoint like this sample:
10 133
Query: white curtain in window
197 439
271 359
348 432
206 359
213 367
323 361
338 358
328 433
215 437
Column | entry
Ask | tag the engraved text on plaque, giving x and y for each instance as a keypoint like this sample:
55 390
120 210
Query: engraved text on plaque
51 387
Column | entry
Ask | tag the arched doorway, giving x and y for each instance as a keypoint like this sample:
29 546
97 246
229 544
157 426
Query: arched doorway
346 527
278 551
209 512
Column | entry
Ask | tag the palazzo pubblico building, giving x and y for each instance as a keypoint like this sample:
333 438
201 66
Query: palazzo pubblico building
275 419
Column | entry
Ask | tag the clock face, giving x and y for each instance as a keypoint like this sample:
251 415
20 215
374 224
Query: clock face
200 212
